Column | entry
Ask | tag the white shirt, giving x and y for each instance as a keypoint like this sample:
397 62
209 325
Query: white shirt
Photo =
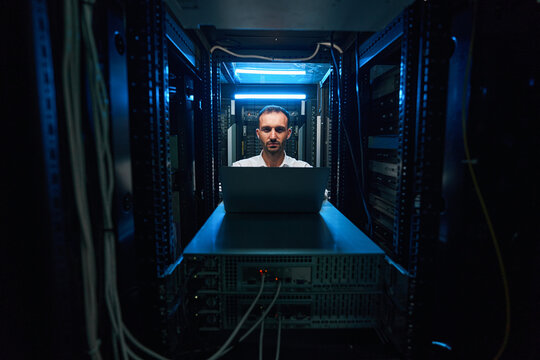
258 161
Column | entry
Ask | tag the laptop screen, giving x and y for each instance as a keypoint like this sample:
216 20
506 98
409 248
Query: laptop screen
273 190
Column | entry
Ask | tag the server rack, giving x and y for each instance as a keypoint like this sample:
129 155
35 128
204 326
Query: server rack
227 115
211 194
39 264
247 122
173 138
402 74
150 144
238 129
332 112
185 86
242 125
492 109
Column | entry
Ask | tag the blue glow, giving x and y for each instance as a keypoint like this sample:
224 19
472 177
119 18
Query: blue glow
325 77
189 57
441 344
270 96
277 73
191 97
269 72
170 269
167 95
400 268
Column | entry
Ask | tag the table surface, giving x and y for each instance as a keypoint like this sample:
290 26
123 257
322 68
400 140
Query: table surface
328 232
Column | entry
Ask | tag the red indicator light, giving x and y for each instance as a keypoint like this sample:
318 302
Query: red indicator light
260 271
276 279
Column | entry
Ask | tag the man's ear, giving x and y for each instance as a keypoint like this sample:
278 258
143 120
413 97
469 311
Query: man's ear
257 132
289 133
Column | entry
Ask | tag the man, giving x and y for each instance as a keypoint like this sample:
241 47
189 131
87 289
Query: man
273 132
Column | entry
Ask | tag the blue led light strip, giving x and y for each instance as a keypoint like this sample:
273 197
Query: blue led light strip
270 96
270 72
441 344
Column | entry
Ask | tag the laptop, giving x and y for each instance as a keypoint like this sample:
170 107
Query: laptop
273 190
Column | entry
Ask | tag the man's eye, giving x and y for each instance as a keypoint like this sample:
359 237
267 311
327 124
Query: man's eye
280 129
265 129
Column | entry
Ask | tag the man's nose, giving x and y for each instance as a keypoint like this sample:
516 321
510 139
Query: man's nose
273 135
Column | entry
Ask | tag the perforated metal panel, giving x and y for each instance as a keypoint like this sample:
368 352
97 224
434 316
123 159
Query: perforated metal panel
326 291
317 310
357 270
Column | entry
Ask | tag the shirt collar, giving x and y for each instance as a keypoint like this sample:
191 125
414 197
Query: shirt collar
284 163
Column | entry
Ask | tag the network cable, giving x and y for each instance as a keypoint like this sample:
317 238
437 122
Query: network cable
347 138
360 139
71 89
244 56
264 314
261 337
262 317
485 211
100 113
221 350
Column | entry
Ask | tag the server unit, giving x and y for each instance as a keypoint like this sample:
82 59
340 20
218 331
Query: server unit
328 272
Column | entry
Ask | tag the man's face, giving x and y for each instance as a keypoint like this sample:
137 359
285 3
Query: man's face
273 131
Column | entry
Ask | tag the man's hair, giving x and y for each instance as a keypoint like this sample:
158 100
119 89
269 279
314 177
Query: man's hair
274 108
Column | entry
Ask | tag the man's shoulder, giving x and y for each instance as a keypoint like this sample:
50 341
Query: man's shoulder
252 161
292 162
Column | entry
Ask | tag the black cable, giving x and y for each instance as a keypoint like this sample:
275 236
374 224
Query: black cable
362 173
476 185
353 158
362 178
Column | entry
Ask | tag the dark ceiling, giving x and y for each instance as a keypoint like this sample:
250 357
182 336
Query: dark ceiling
270 39
283 25
305 15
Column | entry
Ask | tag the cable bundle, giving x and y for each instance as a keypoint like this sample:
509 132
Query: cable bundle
100 118
217 47
225 348
71 84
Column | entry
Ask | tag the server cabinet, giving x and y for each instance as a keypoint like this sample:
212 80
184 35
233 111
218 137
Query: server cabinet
488 234
401 87
240 118
184 107
40 264
172 143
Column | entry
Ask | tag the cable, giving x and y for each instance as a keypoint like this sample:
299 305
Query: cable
477 187
362 174
332 45
254 326
263 314
71 89
217 47
278 337
133 355
261 336
220 352
346 132
142 347
357 73
100 113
